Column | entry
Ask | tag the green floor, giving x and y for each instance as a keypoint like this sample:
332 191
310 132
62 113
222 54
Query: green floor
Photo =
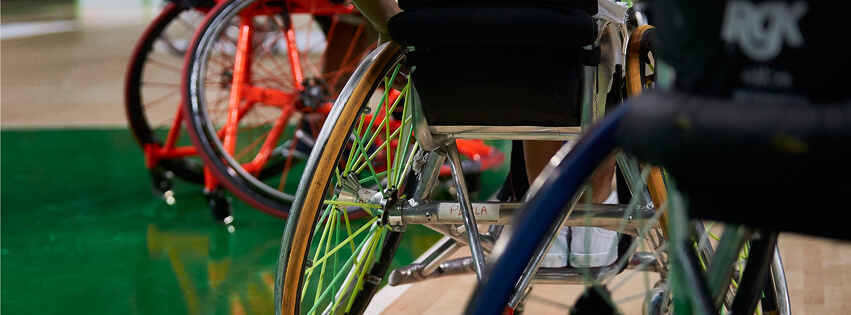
82 234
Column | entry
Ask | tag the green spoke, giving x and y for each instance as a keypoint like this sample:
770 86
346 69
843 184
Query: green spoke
322 218
323 264
355 272
336 248
357 161
369 178
371 169
401 147
403 144
351 204
337 240
366 263
387 133
337 278
713 236
365 206
316 254
384 99
361 160
346 266
354 156
349 228
361 165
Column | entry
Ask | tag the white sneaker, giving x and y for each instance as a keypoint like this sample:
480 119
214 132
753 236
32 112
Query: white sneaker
557 256
602 244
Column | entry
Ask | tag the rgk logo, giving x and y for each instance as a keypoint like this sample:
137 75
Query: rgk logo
761 29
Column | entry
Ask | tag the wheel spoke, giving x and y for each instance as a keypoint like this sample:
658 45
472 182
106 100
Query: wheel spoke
349 228
327 245
381 105
387 138
381 147
402 145
362 274
369 165
351 237
349 263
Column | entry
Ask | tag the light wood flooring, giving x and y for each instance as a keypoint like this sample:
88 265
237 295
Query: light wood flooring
818 273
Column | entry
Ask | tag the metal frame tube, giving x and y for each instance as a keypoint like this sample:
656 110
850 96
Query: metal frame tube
543 248
631 174
466 209
720 267
641 261
779 277
600 215
428 176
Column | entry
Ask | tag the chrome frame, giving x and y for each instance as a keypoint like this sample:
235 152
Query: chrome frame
601 215
466 209
439 141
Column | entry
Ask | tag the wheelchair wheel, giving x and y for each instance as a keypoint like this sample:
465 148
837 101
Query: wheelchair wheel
328 262
152 94
641 60
666 270
257 92
679 257
705 236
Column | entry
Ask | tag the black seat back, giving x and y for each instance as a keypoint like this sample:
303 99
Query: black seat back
497 63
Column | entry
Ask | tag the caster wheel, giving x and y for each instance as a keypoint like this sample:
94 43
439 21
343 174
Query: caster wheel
220 206
162 184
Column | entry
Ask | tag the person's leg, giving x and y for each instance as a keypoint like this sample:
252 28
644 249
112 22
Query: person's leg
593 246
539 153
588 247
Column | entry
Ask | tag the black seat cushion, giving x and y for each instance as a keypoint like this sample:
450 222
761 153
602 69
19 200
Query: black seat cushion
493 24
496 63
498 85
589 6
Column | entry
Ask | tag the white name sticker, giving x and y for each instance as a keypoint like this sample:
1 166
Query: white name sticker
484 212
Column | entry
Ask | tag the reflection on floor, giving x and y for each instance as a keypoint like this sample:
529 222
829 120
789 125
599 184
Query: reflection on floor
81 227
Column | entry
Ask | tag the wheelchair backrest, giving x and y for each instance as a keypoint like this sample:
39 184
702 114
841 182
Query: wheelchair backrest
496 63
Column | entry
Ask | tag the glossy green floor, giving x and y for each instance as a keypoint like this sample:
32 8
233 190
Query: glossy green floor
82 234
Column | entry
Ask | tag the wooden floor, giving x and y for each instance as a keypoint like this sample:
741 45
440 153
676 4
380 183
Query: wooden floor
818 273
75 79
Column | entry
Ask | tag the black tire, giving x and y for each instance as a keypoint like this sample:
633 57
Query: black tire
320 181
152 85
641 60
269 184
